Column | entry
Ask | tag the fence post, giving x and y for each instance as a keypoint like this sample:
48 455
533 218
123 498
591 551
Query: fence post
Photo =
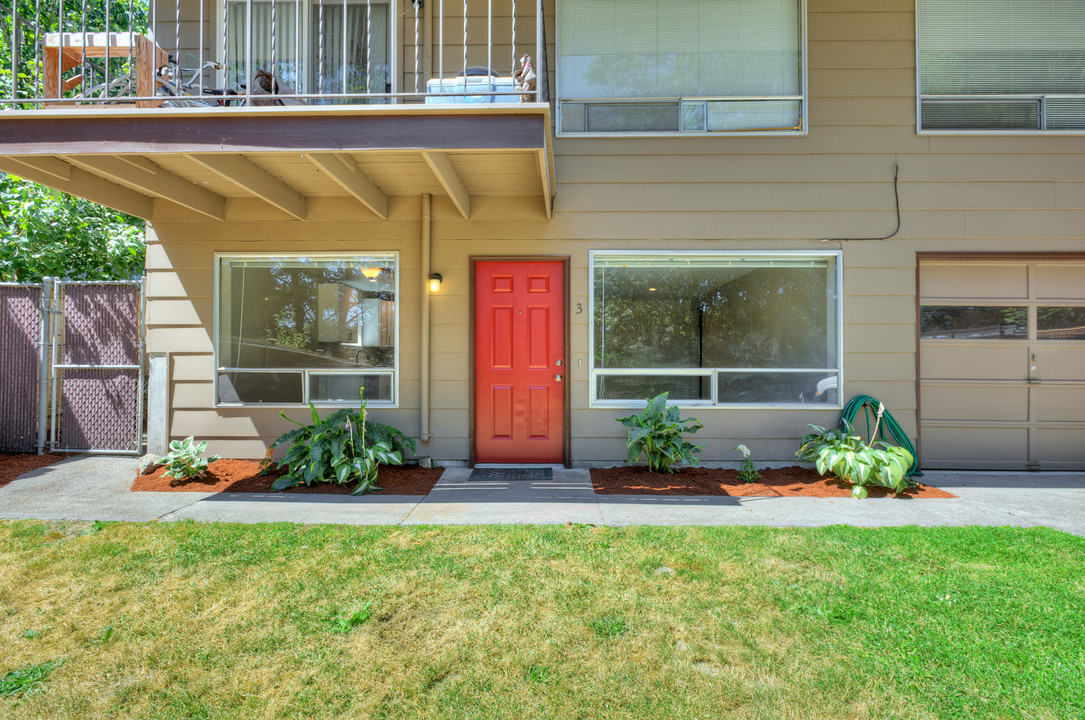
44 365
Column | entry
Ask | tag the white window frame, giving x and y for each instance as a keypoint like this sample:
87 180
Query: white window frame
919 97
308 53
216 306
803 99
713 401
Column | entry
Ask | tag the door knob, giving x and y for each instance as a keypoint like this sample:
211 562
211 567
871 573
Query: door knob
558 378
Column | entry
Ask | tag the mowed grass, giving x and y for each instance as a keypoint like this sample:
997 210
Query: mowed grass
283 621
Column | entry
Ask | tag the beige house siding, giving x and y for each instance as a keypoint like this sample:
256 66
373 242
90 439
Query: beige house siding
957 193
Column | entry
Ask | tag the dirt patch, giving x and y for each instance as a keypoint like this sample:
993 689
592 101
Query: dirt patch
244 476
12 466
775 482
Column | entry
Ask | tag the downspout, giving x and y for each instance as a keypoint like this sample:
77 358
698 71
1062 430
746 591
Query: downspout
424 434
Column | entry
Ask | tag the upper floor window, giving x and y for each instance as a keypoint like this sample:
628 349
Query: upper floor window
306 44
681 66
1001 65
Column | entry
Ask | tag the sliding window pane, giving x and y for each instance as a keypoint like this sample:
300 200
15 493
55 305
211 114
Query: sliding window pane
644 387
275 388
783 388
345 388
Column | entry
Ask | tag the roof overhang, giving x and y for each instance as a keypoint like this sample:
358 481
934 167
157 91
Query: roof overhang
202 159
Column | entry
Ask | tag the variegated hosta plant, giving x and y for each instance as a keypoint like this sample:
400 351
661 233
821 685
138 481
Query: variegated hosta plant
845 455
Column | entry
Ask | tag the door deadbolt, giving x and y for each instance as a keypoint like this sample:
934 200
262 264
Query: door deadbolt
558 363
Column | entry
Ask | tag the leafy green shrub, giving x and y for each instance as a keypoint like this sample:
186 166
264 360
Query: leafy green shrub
343 447
844 454
657 433
747 473
184 459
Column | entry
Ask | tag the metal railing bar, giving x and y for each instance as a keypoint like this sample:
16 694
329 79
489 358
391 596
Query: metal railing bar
343 56
200 54
37 48
368 46
108 45
248 53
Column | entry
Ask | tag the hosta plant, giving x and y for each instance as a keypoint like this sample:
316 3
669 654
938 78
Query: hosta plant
847 456
344 447
657 433
184 459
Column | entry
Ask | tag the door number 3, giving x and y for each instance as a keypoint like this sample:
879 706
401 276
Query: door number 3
579 309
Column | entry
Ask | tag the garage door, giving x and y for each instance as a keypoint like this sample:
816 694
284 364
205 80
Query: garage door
1002 363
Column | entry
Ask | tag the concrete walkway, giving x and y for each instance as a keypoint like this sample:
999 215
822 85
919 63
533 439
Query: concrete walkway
97 488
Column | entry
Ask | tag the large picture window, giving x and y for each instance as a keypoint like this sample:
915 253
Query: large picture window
715 328
293 329
690 66
1000 65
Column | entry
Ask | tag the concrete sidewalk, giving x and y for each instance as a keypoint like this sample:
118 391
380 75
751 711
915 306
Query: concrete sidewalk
92 487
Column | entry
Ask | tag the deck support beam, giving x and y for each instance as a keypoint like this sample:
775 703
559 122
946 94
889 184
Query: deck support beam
156 180
345 172
442 167
80 183
253 178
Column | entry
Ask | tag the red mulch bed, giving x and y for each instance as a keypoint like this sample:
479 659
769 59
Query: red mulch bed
775 482
12 466
243 476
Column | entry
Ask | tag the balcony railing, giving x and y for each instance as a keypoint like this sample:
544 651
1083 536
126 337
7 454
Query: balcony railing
273 52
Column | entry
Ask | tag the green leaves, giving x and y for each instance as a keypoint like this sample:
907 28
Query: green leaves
45 232
844 454
342 448
657 434
184 459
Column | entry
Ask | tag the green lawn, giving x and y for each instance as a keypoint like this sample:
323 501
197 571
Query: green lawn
230 621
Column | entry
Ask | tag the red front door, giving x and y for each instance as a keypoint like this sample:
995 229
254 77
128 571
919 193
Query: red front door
520 361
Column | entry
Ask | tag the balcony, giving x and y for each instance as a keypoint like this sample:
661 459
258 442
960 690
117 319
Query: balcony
185 107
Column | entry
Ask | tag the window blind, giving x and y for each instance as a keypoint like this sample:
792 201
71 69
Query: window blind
1017 50
679 48
698 65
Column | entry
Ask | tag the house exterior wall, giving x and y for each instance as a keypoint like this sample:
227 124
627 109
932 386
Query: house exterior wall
958 193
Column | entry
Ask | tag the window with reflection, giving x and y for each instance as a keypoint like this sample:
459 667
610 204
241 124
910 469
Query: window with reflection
715 328
295 329
973 322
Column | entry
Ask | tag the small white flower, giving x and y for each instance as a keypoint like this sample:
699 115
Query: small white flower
743 449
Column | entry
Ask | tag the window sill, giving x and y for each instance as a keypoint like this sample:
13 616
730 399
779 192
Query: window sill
1003 133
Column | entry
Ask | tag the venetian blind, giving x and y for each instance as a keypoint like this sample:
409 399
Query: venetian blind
1006 48
679 48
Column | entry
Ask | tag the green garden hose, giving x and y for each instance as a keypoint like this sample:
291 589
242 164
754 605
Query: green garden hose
897 433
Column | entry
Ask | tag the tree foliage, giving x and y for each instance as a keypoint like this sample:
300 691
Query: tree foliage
46 232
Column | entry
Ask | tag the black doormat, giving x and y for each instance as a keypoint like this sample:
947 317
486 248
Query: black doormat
511 474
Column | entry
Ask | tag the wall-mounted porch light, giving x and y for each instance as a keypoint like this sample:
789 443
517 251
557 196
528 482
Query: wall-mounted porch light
435 282
371 273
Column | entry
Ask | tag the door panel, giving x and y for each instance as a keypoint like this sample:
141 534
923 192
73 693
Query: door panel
519 361
1013 400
